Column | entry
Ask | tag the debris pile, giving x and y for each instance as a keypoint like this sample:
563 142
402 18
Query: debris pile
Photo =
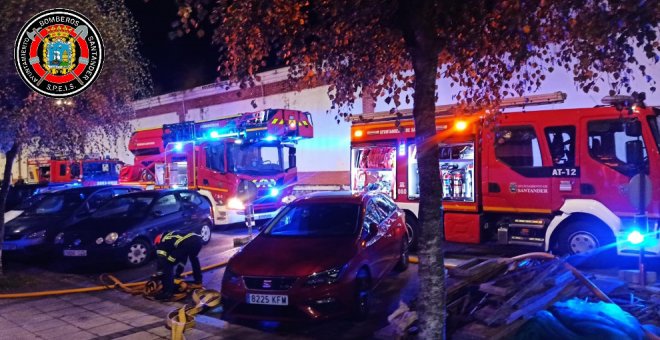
536 293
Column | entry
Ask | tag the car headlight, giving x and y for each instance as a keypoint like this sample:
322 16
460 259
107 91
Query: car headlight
37 234
230 277
329 276
59 238
235 203
111 238
288 199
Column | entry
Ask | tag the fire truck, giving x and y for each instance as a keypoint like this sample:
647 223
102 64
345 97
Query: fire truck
227 157
93 171
566 181
147 147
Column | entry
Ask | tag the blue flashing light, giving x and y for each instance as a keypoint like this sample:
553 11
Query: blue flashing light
402 149
214 134
270 138
178 146
635 237
274 192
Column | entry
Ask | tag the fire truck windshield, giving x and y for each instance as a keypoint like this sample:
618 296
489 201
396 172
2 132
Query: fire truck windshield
98 169
255 159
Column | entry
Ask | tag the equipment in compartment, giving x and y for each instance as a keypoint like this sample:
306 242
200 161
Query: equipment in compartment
373 168
457 171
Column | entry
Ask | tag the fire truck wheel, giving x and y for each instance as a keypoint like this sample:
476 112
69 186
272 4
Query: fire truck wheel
205 232
412 229
579 237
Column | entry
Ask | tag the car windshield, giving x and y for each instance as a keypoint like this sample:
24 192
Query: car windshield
57 204
253 158
320 219
133 206
30 201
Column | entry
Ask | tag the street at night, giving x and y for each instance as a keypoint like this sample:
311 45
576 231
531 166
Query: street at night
329 169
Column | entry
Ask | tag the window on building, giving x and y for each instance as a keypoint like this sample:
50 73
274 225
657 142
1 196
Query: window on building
518 146
561 142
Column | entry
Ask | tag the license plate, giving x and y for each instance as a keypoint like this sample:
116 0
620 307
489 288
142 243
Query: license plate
8 246
71 252
268 299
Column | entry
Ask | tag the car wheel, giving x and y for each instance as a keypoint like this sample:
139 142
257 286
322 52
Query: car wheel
402 264
362 295
580 237
412 230
138 253
205 232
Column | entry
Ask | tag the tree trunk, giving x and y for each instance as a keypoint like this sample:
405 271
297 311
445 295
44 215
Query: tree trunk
424 54
10 156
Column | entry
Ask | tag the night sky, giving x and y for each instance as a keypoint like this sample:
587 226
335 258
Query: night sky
176 64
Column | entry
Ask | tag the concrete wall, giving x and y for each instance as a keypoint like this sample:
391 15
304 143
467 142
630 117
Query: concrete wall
328 151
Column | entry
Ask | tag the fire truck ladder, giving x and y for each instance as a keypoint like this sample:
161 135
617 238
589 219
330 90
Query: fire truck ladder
282 125
443 110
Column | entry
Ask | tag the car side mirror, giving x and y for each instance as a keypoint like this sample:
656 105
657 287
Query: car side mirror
372 231
157 213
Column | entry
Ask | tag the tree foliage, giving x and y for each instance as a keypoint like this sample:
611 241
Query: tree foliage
39 125
394 49
488 48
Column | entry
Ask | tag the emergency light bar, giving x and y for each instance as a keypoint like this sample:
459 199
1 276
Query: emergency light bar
536 99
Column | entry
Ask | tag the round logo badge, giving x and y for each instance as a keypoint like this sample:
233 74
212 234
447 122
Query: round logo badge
59 53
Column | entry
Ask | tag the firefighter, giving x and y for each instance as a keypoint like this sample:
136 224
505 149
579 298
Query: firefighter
173 250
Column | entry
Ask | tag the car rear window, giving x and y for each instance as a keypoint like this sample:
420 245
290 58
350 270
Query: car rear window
316 219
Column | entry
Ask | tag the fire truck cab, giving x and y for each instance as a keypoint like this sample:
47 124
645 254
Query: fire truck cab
223 158
96 171
566 181
147 147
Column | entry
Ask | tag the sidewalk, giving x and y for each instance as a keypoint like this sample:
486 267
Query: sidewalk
104 315
111 314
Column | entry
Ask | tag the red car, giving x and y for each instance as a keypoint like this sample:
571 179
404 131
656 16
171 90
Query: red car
319 258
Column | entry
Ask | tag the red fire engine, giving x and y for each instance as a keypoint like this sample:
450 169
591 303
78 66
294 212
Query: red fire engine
147 147
87 172
253 150
566 181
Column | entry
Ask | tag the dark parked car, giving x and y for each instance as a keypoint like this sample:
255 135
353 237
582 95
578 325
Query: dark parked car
125 227
34 230
320 257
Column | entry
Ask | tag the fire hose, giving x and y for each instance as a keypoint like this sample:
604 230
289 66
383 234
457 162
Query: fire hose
126 287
